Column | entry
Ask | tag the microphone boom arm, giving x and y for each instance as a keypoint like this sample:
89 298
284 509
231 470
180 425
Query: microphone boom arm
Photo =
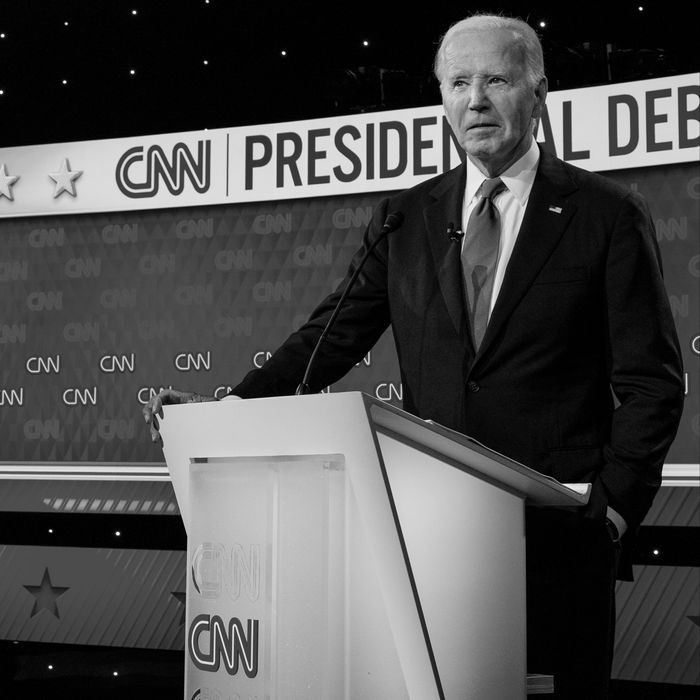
392 222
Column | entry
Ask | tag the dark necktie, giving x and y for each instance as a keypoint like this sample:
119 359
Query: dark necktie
479 256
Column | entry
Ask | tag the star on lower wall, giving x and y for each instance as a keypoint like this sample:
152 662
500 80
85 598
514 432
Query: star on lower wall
7 182
45 595
65 179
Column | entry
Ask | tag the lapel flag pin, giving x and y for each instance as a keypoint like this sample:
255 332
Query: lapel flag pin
556 210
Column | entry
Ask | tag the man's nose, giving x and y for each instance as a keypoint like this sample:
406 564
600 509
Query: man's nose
478 99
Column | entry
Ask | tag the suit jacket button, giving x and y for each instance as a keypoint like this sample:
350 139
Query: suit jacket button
473 386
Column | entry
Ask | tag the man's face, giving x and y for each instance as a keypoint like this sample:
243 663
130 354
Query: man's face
487 98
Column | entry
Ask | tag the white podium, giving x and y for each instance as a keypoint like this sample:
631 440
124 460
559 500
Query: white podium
339 547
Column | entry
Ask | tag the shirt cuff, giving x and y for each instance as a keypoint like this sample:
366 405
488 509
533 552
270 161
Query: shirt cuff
617 520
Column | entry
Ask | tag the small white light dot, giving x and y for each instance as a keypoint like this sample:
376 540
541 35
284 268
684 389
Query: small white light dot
64 82
134 12
118 533
641 8
132 72
656 552
50 531
283 52
2 92
205 62
50 667
115 673
65 24
365 43
2 36
543 24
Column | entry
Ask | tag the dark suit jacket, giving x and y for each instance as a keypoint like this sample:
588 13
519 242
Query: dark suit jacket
581 325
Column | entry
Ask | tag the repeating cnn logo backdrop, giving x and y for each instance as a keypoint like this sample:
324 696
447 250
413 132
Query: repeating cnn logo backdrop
102 310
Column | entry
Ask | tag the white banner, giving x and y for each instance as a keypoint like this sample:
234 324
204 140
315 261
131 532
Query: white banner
609 127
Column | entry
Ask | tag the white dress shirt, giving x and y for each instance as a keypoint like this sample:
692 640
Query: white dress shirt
511 203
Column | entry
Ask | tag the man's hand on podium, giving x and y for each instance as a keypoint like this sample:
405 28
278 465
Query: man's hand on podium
153 410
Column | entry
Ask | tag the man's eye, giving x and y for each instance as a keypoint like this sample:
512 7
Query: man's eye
459 83
496 80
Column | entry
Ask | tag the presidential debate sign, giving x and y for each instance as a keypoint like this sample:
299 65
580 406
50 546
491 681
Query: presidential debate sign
183 260
613 127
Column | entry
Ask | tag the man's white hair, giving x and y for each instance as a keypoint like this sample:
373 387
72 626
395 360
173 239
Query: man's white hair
522 32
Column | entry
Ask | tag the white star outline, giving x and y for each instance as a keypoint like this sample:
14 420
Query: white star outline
65 179
7 181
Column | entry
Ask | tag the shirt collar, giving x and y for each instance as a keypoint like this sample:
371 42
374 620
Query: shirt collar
518 178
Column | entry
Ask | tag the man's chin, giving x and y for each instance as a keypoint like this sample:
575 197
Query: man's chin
480 148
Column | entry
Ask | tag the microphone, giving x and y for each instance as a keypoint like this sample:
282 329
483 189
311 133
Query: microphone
392 222
455 235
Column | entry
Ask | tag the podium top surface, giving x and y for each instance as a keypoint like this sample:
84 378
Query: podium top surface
470 455
346 423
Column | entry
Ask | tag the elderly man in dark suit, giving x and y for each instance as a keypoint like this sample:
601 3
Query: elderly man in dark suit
528 309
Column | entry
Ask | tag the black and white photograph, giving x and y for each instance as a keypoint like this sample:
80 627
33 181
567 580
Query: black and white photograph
349 351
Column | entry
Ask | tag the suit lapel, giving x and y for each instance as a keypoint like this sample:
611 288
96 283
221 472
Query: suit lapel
546 217
445 209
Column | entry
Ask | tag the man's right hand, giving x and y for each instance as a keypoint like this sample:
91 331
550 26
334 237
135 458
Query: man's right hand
153 410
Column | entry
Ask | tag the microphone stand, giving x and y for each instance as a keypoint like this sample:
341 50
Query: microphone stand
392 222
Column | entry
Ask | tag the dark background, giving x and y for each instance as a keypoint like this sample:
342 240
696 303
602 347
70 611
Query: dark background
327 70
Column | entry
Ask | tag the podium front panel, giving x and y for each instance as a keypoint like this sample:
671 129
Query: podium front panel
282 600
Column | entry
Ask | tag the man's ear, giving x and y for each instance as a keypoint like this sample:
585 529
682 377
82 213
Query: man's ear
540 98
